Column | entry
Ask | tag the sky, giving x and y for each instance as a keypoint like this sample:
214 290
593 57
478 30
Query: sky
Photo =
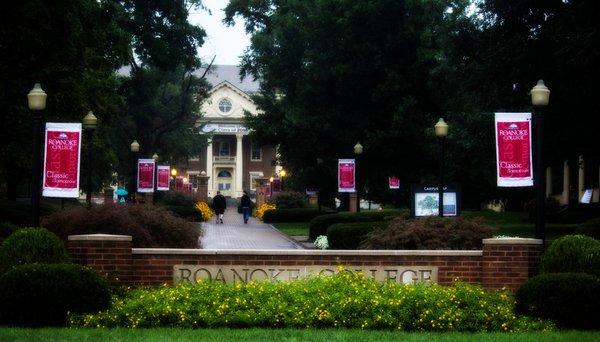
226 42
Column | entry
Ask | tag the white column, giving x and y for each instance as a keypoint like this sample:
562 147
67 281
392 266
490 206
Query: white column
581 184
209 168
548 181
239 166
566 183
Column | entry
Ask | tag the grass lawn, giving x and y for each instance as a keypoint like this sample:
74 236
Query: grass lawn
168 334
293 228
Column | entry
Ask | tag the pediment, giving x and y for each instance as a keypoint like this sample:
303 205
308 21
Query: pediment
221 96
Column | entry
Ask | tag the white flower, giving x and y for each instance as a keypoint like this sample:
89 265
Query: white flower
321 242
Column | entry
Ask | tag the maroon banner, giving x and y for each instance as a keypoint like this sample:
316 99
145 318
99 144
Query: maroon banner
394 182
162 177
61 160
346 175
145 175
513 149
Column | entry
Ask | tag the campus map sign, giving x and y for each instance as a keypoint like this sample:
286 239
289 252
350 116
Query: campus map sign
513 149
145 175
425 200
346 175
62 152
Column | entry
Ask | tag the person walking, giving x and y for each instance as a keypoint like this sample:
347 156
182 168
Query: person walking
246 204
219 204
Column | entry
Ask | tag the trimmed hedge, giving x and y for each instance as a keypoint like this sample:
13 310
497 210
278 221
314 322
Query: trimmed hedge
572 253
43 294
318 225
590 228
430 233
149 226
351 235
344 300
572 300
185 212
293 215
31 245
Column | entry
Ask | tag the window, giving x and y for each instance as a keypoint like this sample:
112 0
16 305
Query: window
224 174
255 152
225 105
253 176
224 149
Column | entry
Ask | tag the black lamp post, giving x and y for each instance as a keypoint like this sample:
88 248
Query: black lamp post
135 149
319 182
89 123
36 100
282 174
358 150
441 131
540 96
155 157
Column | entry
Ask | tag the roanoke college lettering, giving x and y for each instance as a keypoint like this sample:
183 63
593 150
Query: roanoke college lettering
243 274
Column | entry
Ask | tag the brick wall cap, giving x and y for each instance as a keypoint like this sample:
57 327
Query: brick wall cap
177 251
99 237
512 241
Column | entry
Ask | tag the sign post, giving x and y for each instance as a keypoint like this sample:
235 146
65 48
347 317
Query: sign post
62 156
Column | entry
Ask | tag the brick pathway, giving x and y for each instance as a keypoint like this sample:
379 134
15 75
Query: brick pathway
234 234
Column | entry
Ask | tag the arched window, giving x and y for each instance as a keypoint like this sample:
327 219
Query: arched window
224 174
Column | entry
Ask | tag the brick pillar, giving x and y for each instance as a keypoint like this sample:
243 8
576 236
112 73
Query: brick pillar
353 205
509 261
108 254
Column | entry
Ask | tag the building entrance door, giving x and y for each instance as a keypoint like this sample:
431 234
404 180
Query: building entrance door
224 180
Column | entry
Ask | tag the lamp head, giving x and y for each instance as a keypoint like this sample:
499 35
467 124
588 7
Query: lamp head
36 99
135 146
282 173
155 157
540 94
90 121
441 128
358 148
173 172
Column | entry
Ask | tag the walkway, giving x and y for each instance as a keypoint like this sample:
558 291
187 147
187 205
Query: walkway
234 234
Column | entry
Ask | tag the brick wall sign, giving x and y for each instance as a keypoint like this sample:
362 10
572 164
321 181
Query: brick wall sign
236 274
502 262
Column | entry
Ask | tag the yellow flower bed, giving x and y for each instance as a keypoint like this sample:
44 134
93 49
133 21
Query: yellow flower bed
204 210
260 211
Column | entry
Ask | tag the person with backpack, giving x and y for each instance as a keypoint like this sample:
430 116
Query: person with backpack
246 204
219 204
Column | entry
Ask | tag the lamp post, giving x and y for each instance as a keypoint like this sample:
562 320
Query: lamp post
540 96
155 157
174 178
358 150
135 149
319 182
90 122
36 100
282 175
441 131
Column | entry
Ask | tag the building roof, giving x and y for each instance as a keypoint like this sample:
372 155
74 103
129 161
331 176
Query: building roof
217 75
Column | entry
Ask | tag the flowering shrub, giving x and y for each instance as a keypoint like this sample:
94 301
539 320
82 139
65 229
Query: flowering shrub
205 210
260 211
343 300
321 242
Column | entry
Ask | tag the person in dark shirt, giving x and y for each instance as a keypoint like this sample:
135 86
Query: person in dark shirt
246 205
219 205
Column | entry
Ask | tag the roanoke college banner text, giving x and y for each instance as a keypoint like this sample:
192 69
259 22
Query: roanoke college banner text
62 152
513 149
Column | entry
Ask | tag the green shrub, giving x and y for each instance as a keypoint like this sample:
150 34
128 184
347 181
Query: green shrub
290 200
430 233
572 253
43 294
590 228
350 235
344 300
572 300
185 212
177 198
149 226
318 225
292 215
32 245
